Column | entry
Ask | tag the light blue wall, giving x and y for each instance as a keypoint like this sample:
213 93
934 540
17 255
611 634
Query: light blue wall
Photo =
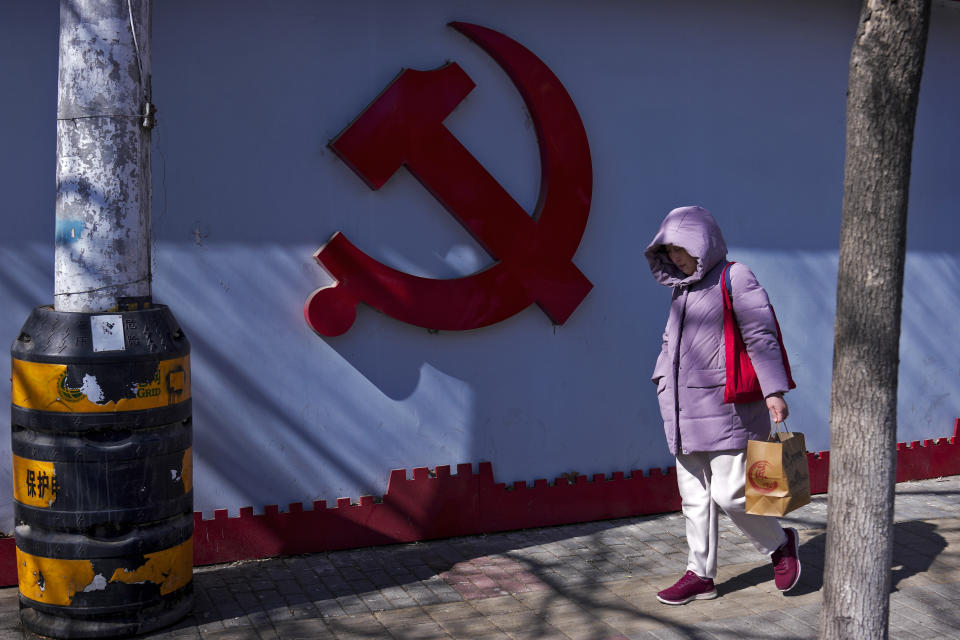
738 106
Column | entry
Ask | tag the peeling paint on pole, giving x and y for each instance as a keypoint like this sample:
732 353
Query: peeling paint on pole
103 155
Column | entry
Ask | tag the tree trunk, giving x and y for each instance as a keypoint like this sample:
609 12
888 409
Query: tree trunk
102 258
885 68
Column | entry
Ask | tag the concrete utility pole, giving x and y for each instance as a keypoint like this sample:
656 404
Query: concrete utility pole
104 118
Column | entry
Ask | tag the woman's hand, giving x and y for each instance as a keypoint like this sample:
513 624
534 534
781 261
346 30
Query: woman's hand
778 408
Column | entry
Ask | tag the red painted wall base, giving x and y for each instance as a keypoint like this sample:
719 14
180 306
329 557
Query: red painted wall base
438 504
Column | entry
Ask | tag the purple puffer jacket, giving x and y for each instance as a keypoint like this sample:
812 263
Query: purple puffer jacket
691 371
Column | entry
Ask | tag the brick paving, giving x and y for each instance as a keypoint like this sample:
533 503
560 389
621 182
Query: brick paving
592 581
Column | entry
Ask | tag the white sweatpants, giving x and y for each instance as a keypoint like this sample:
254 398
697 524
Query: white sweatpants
716 478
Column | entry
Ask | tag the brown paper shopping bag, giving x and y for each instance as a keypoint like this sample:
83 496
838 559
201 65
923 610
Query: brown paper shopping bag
778 478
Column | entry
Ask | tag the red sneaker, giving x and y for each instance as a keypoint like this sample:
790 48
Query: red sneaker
689 587
786 562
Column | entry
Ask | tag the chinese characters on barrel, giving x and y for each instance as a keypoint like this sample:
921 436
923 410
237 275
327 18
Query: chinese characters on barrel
39 484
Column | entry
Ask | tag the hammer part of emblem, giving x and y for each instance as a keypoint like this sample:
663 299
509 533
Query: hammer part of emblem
404 127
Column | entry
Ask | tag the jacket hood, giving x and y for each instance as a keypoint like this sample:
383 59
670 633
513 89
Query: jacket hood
694 229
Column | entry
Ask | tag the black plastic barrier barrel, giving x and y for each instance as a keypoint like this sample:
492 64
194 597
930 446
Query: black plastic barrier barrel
102 472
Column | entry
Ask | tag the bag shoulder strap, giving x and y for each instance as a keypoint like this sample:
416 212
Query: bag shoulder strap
725 283
728 304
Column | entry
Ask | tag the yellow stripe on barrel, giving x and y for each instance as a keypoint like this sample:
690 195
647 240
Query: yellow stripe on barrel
171 569
187 470
56 581
52 580
42 387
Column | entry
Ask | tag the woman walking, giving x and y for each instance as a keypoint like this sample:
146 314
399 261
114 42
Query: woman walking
707 436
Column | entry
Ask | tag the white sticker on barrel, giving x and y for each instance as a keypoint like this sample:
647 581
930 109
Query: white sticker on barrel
107 333
99 584
91 389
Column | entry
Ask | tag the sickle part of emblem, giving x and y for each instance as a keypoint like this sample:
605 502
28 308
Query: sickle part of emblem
404 126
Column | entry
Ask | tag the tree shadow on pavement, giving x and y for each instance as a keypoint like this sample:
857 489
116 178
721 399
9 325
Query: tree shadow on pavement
916 544
579 579
564 579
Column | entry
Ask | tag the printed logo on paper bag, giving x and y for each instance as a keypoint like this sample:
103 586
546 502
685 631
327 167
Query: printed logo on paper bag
757 477
404 127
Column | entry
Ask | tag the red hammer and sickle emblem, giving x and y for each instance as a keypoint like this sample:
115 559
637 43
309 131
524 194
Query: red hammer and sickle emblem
404 126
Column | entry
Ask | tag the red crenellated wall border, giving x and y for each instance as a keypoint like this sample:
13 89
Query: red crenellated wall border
439 504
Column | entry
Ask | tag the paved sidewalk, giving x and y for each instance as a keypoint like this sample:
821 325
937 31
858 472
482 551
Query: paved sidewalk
591 581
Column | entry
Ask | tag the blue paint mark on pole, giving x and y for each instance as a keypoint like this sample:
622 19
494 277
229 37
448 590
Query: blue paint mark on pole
68 231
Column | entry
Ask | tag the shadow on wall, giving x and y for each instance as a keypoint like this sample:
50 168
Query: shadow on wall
284 416
802 288
276 421
26 280
929 377
329 417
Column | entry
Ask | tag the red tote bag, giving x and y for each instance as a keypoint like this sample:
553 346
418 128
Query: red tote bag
742 382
